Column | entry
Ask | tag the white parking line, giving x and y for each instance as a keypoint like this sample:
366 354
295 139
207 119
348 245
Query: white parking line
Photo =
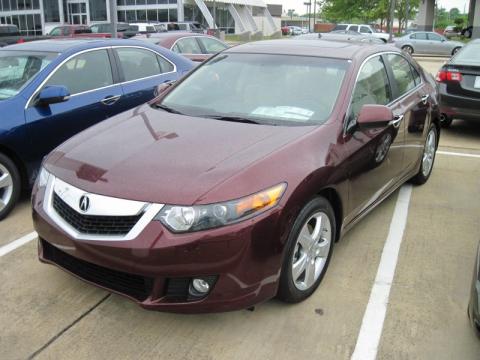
374 317
450 153
4 250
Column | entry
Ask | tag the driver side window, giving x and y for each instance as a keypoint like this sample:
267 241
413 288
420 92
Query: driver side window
372 87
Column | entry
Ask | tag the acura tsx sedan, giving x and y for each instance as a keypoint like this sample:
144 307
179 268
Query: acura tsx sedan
222 193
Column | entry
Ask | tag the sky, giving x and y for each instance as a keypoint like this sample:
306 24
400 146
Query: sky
302 9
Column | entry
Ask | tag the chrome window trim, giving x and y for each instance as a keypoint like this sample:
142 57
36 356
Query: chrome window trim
40 87
391 103
149 211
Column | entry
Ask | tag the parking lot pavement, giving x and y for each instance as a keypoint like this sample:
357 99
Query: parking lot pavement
431 64
48 314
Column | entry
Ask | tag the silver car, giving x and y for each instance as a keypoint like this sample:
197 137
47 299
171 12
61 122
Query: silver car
427 42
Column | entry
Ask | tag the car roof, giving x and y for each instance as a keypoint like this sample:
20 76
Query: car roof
62 45
174 35
320 48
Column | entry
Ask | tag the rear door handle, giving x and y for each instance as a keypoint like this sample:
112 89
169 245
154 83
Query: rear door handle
396 121
110 100
425 99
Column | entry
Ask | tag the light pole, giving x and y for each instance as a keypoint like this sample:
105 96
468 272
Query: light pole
113 17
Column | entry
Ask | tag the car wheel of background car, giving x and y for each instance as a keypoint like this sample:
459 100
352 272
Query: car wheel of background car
454 51
428 157
407 49
445 120
9 185
308 252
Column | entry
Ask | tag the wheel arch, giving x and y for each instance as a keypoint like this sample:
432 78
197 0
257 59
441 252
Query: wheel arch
334 199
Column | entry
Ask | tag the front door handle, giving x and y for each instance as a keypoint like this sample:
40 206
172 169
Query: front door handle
425 99
110 100
397 119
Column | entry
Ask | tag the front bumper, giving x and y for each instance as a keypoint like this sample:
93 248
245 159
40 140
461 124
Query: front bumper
155 268
458 107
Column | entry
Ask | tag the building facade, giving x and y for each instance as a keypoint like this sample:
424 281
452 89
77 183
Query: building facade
233 16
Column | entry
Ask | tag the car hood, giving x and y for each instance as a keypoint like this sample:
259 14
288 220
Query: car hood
150 155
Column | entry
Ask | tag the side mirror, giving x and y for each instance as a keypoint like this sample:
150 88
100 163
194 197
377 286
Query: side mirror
52 95
163 87
374 115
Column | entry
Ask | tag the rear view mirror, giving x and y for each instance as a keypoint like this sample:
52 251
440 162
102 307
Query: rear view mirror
374 115
53 94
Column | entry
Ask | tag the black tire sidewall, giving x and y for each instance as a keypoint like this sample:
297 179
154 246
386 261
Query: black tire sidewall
11 167
287 290
420 178
408 47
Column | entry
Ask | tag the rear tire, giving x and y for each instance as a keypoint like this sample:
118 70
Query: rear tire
408 49
445 120
10 185
428 157
308 251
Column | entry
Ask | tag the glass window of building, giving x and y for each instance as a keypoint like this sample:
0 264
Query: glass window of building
98 10
51 11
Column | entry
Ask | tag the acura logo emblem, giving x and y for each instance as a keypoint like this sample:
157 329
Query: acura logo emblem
84 203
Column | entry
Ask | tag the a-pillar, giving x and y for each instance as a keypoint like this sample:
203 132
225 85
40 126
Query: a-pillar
425 15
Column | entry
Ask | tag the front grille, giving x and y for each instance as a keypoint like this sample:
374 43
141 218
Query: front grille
135 286
93 224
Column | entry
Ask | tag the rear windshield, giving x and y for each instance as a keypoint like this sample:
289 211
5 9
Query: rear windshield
266 89
18 68
469 55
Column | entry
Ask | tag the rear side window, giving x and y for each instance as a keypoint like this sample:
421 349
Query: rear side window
419 36
212 46
402 73
340 27
353 28
187 46
141 63
372 86
84 72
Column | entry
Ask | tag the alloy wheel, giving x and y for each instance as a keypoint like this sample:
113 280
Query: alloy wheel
429 152
6 187
311 251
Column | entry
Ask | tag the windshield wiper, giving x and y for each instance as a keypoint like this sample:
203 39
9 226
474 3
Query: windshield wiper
167 108
231 118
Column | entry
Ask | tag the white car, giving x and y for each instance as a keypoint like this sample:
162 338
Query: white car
363 29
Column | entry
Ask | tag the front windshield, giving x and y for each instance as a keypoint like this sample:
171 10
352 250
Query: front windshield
18 68
261 88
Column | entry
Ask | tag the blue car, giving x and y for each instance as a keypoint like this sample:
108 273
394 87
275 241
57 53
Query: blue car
53 89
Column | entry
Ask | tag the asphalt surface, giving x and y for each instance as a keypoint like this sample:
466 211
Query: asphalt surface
48 314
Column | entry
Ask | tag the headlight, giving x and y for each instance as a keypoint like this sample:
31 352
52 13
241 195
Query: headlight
42 177
201 217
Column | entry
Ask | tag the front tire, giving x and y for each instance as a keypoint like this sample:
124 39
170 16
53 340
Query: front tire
428 157
454 51
308 251
10 185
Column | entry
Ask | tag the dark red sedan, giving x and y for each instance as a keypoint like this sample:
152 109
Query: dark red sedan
222 193
196 47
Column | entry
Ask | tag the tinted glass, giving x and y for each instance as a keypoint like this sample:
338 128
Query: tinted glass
419 36
434 37
288 90
138 63
353 28
84 72
402 72
188 46
468 55
340 27
212 46
56 32
372 86
17 68
365 30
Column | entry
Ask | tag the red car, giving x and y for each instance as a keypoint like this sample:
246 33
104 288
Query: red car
197 47
221 193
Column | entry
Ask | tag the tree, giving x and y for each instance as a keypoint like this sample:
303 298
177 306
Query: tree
454 13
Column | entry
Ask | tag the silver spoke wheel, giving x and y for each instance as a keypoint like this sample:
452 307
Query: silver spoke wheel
6 187
429 152
311 250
